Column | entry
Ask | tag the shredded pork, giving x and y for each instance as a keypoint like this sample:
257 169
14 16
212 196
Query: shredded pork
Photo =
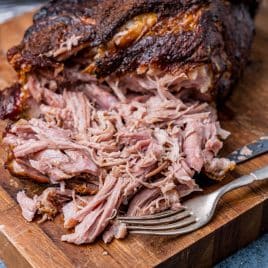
143 150
48 204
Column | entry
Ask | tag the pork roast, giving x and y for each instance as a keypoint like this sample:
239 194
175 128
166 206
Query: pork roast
201 46
114 107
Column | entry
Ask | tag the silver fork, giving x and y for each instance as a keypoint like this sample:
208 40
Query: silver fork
197 211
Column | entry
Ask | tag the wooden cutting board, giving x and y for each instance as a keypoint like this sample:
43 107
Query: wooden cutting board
240 217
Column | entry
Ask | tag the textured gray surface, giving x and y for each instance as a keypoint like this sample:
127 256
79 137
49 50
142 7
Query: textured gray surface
7 13
253 256
12 8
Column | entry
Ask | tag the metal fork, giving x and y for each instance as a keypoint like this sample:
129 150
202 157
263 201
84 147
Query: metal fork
198 211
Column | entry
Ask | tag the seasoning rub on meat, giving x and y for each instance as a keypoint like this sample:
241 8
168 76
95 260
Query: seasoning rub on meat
114 106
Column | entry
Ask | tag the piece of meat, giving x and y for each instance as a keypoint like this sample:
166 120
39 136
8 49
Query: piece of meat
118 230
95 202
141 199
101 96
11 103
51 152
23 168
89 227
217 169
51 201
48 204
192 48
28 205
190 39
83 186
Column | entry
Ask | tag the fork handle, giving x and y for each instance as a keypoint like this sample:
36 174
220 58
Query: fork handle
259 174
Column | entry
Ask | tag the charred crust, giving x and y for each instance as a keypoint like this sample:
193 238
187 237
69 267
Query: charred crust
59 20
10 105
93 23
116 13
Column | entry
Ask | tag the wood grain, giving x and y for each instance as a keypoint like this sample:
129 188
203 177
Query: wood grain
240 217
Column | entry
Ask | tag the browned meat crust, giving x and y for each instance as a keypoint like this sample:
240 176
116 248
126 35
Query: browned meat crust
212 42
10 100
92 23
209 38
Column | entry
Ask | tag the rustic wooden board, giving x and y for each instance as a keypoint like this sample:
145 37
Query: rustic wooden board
241 215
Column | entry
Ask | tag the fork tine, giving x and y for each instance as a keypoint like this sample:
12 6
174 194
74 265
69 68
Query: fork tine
154 216
191 227
179 224
179 216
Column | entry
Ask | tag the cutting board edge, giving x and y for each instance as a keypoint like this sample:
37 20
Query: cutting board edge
204 248
208 254
15 236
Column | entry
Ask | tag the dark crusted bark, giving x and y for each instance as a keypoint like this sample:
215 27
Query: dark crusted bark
220 38
96 22
10 102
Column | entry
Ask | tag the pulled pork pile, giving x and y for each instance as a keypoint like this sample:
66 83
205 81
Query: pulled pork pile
143 150
111 97
113 92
